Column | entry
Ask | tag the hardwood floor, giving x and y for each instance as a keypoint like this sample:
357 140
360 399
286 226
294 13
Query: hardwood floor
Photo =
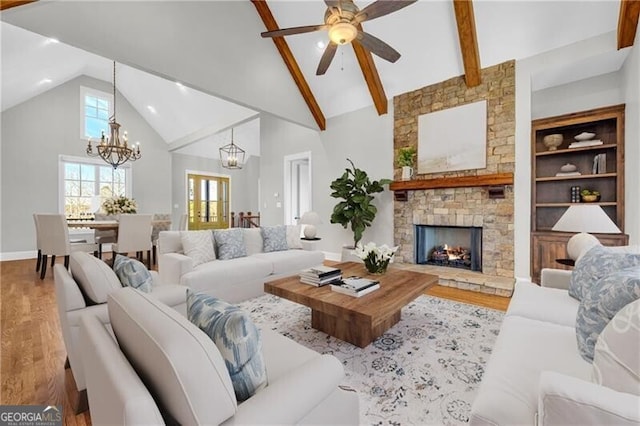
32 353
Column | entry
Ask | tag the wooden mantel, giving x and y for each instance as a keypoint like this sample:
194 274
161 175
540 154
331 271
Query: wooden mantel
495 182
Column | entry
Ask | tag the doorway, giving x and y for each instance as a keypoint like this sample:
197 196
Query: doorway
297 186
208 201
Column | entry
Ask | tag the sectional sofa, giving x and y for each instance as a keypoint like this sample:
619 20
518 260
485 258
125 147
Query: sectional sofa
536 374
162 369
239 278
84 289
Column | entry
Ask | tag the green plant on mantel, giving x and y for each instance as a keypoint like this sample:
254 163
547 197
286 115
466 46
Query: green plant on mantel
355 189
406 156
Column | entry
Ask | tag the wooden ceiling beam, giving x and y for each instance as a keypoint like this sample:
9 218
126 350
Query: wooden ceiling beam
371 76
468 41
628 22
289 60
8 4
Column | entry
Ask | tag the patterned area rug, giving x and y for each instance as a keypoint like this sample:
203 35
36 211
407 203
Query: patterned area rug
425 370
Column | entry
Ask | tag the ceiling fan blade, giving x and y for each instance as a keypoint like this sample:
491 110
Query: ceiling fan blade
326 59
381 8
294 30
377 46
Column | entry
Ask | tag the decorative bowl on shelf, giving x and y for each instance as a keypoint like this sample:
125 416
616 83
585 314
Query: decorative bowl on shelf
568 168
584 136
591 198
552 142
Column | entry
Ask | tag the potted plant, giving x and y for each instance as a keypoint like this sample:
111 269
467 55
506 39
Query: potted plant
406 159
355 189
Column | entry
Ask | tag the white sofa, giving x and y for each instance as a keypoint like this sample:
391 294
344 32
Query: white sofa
162 369
536 375
91 278
232 280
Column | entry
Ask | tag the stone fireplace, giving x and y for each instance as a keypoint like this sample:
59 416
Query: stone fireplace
463 203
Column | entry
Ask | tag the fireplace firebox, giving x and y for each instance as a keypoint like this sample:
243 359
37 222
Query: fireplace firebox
452 246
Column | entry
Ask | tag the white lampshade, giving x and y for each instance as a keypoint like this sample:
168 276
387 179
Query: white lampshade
310 220
586 218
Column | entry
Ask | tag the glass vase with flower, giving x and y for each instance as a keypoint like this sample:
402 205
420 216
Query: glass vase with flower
376 259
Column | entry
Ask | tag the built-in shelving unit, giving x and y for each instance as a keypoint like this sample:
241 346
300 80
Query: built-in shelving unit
551 194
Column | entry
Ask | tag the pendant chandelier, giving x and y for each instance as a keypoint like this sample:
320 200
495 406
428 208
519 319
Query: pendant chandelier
114 150
231 155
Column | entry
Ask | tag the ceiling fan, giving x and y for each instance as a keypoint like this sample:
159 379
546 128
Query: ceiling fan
343 19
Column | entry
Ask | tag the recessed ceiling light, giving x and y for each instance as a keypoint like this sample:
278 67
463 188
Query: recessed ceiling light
45 81
321 44
53 41
181 87
151 109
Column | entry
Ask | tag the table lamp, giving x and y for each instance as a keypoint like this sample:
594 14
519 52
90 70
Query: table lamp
310 220
586 218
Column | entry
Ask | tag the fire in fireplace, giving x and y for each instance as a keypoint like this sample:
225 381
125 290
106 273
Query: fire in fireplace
452 246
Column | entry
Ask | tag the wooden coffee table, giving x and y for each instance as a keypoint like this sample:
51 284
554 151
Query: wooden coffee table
357 320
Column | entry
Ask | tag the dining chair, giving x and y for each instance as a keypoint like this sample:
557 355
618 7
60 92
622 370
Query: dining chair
184 223
104 236
155 231
134 235
53 238
35 221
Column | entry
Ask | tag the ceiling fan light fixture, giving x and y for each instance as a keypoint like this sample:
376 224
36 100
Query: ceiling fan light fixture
342 33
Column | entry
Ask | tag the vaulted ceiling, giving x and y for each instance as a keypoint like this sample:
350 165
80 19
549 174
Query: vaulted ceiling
214 48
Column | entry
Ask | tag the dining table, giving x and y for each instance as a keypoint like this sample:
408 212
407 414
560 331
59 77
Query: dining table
108 225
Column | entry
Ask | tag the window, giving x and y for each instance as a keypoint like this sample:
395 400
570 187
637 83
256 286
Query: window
85 184
96 108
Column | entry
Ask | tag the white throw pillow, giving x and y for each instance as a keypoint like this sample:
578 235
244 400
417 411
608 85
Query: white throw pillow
95 277
252 240
579 244
293 236
616 363
198 245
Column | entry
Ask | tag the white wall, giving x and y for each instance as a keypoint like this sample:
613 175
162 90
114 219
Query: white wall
36 132
631 88
244 182
590 93
362 136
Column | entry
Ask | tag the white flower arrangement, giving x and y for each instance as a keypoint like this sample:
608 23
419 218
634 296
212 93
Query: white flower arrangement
376 259
117 205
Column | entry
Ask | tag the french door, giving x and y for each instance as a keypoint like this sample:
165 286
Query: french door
208 201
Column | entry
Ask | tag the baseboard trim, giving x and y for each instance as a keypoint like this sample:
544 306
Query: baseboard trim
18 255
335 257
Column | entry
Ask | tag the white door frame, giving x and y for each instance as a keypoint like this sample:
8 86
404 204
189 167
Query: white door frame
288 159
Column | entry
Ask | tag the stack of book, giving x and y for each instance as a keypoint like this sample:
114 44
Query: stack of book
582 144
355 286
600 164
320 275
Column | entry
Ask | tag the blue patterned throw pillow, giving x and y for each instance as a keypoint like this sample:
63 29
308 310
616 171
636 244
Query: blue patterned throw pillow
229 243
274 238
598 262
236 337
601 303
132 273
